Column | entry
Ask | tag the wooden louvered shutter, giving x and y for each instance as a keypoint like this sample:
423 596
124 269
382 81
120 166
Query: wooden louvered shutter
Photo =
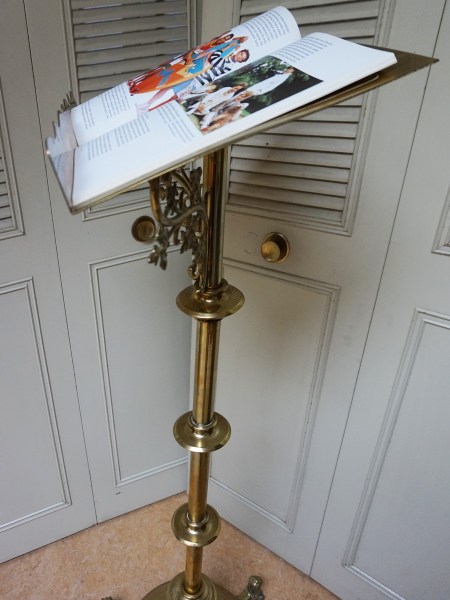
112 41
307 171
10 219
5 204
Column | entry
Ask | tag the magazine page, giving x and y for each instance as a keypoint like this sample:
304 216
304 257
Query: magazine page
185 74
184 128
119 158
289 78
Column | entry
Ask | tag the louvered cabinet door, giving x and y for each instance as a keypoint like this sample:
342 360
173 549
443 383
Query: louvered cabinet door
10 215
109 43
46 490
309 171
131 345
290 358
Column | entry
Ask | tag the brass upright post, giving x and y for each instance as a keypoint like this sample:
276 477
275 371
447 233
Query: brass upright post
202 430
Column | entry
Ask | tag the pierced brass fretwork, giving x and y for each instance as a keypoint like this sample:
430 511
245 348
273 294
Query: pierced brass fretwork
178 206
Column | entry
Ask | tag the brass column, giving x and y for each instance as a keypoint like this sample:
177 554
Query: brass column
202 430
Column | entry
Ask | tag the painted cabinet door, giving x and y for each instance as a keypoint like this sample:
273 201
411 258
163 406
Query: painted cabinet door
46 490
290 358
386 532
130 344
94 364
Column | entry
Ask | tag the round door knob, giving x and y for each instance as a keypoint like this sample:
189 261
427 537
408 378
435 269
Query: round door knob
144 229
275 247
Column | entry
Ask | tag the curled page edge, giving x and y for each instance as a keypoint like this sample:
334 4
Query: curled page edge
61 151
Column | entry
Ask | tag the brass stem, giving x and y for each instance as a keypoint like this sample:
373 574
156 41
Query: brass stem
213 185
198 486
202 431
207 345
207 348
193 574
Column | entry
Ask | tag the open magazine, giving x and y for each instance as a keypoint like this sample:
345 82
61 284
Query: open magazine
249 75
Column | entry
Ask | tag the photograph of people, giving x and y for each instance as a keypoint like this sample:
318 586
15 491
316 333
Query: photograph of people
243 92
190 70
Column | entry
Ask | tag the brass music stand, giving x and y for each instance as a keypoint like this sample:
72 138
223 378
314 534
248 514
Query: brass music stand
191 214
195 219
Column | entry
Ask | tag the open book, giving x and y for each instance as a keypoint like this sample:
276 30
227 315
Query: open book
199 101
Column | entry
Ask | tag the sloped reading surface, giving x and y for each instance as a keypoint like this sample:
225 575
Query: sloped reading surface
406 63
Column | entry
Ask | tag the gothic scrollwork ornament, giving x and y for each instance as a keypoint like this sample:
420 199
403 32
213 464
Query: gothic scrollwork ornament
178 207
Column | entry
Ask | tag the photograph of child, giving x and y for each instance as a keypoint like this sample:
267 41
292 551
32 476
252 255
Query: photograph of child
244 92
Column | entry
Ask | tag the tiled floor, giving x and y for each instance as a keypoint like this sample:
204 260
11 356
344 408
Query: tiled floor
128 556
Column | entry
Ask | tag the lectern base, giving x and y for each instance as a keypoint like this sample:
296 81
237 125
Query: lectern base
174 590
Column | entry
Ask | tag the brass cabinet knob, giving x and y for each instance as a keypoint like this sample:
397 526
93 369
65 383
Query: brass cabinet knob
275 247
144 229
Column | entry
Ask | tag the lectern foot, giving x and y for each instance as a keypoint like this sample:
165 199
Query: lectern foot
253 590
174 590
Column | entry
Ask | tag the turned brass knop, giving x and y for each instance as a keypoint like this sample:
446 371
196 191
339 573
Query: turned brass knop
275 247
144 229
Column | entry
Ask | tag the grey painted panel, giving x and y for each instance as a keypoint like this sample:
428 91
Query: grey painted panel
31 469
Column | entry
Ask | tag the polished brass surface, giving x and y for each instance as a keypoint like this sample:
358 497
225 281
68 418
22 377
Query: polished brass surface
182 219
214 169
144 229
201 439
197 223
197 534
198 486
275 247
174 590
210 306
253 590
206 353
193 570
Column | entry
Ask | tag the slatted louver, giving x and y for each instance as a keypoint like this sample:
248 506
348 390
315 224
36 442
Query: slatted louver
306 171
8 223
116 39
5 204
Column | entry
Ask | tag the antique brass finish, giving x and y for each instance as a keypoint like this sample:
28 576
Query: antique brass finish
275 247
253 589
205 438
211 305
144 229
174 590
182 221
196 534
195 220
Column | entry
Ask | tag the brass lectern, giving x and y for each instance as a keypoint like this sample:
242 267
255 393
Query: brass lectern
190 214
